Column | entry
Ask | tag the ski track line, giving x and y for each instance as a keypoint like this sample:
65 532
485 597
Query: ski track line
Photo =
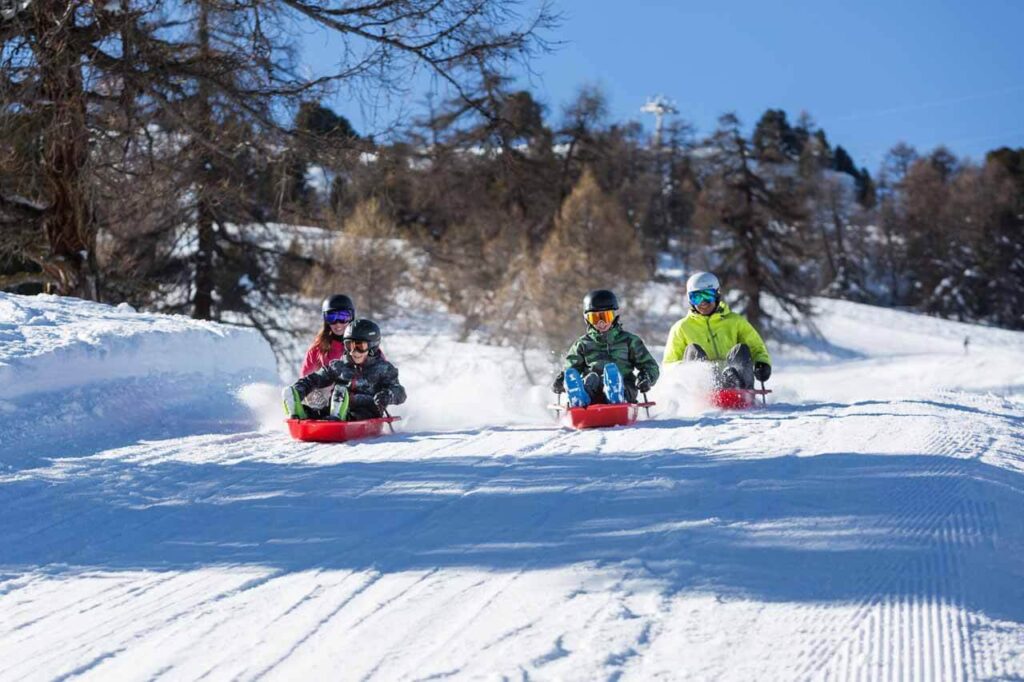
538 523
910 643
114 623
317 627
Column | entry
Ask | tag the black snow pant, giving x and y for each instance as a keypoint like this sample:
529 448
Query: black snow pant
738 367
593 383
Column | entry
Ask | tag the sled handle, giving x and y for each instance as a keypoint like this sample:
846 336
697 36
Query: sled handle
646 408
764 396
391 427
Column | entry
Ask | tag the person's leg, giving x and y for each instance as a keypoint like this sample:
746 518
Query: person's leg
576 393
595 391
362 407
694 353
339 403
740 364
613 385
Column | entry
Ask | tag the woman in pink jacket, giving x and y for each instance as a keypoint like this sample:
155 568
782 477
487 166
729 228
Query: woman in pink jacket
338 311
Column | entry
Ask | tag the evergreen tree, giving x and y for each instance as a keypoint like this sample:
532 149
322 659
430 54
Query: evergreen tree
754 220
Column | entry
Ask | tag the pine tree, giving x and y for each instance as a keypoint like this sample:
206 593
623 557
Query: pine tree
754 219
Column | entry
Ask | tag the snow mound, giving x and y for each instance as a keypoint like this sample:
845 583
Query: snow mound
88 375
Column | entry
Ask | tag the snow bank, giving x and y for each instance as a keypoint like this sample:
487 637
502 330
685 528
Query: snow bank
73 370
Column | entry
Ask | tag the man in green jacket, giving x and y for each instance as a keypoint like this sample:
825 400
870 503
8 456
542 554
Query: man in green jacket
712 332
599 367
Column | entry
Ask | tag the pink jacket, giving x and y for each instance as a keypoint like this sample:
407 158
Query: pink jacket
316 359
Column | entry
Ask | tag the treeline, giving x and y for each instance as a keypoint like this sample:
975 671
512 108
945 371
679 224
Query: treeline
165 155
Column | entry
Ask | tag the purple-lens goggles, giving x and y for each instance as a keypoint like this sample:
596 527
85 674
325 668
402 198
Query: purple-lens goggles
335 316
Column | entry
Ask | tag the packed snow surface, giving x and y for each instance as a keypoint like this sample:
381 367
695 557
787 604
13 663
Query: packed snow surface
157 521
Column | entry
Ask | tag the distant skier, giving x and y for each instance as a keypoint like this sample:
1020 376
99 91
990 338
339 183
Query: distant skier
967 342
600 365
363 382
712 332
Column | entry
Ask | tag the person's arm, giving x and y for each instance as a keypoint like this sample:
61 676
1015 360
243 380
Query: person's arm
675 345
749 336
390 383
310 364
336 372
643 361
575 358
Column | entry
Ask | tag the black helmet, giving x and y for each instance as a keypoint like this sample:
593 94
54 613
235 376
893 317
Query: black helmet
338 302
600 299
363 330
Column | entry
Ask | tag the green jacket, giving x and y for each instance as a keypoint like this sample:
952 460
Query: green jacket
592 351
716 334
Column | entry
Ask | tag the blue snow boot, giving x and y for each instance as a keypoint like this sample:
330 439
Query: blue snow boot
574 389
613 388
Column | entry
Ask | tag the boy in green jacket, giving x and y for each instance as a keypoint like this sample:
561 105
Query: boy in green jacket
599 367
712 332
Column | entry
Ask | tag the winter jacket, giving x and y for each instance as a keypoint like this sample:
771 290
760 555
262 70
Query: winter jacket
317 359
716 334
364 381
592 351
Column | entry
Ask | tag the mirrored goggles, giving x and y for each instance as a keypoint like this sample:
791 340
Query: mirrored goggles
595 316
357 346
335 316
703 296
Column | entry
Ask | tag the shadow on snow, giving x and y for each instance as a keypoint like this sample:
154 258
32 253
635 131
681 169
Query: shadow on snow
843 527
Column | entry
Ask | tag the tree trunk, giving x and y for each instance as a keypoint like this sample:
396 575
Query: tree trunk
67 223
202 303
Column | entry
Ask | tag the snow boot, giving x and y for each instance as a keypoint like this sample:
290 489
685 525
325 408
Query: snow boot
614 390
339 404
577 394
293 404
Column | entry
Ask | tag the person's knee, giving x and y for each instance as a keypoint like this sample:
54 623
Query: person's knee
694 352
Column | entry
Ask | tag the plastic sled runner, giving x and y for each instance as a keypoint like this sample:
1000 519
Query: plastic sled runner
330 431
736 398
621 414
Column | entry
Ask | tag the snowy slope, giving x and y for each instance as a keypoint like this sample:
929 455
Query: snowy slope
869 524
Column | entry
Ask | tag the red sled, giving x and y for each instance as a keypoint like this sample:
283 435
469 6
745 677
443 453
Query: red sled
592 416
736 398
330 431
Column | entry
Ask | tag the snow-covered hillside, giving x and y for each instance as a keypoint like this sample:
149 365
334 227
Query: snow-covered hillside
158 522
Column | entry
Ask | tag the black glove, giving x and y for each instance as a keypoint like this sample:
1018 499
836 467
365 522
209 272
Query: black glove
643 382
382 399
762 371
558 385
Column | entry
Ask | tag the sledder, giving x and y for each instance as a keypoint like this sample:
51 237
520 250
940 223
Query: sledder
711 332
364 384
599 368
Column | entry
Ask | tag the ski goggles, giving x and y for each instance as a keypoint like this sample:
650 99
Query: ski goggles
595 316
703 296
335 316
357 346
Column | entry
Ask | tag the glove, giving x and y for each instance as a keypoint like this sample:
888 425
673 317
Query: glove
293 403
762 371
643 382
382 399
558 385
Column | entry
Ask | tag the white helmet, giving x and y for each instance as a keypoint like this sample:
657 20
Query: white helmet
702 280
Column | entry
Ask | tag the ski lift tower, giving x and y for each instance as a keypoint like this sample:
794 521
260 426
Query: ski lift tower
659 105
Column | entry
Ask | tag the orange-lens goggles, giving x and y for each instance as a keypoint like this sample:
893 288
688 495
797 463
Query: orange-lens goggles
358 346
595 316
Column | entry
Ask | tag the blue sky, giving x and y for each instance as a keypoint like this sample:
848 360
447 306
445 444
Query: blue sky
870 73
